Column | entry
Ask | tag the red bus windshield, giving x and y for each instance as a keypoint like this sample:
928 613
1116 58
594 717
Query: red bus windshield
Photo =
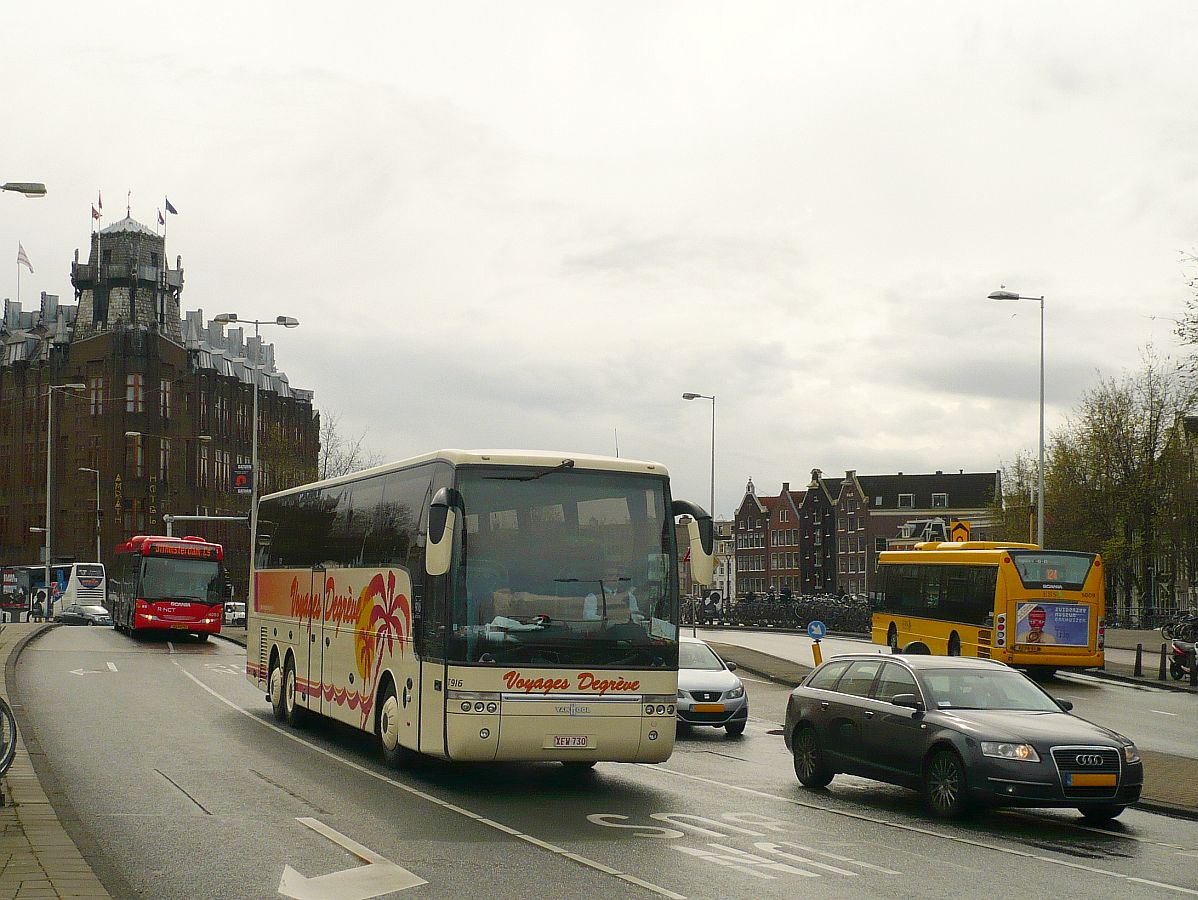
183 580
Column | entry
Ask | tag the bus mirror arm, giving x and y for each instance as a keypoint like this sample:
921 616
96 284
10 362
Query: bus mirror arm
442 520
702 539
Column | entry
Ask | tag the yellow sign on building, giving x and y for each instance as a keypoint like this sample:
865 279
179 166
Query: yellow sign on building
958 530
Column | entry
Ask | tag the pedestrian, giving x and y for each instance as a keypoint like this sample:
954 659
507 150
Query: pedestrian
36 615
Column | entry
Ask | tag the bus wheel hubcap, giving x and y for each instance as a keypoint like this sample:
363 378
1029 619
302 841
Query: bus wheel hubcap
276 686
389 723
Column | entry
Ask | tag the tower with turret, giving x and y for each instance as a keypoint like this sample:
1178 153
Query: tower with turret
127 283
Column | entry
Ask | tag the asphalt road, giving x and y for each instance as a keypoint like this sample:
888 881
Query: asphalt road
1154 719
190 789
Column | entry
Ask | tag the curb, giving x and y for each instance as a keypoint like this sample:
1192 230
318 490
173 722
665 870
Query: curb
111 879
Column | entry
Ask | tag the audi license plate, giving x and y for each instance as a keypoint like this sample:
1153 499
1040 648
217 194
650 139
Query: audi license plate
574 741
1086 779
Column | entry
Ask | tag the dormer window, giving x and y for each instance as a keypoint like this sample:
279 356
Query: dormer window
906 501
940 501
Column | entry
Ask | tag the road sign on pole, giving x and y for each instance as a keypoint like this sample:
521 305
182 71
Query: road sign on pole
817 630
243 478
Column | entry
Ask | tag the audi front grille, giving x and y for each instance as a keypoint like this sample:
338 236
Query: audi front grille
1079 762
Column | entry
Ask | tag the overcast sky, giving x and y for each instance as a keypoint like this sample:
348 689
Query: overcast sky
537 224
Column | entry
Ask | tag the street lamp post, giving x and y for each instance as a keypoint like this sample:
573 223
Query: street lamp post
96 472
286 322
711 509
74 386
1011 295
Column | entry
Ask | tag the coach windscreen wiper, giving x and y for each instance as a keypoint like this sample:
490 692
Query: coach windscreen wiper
564 464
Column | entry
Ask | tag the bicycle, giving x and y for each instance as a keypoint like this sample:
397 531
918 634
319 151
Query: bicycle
8 737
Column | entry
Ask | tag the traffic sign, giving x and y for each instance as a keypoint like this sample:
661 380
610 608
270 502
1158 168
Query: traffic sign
959 530
817 630
243 474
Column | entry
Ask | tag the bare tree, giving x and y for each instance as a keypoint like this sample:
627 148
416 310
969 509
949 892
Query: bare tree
341 454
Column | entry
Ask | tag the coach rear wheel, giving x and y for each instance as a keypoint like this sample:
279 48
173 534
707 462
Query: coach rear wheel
276 693
291 711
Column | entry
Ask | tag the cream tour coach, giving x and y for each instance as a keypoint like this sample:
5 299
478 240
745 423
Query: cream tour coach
479 605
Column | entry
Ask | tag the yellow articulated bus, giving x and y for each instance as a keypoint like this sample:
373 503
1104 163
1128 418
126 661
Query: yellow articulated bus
478 605
1037 609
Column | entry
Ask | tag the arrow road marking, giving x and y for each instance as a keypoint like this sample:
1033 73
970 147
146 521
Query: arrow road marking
85 671
112 667
379 876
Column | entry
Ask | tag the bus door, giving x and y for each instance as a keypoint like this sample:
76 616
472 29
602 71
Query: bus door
310 644
434 685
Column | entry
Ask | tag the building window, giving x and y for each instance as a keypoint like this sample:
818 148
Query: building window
879 543
134 397
95 388
877 501
785 515
164 398
164 460
906 501
135 463
940 501
203 474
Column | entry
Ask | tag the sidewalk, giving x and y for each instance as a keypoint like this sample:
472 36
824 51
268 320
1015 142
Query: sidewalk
1170 782
37 856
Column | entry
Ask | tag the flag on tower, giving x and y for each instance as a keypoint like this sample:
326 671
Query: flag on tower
95 212
100 200
170 209
161 221
23 258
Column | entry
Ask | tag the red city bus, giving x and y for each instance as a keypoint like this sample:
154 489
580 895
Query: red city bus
168 584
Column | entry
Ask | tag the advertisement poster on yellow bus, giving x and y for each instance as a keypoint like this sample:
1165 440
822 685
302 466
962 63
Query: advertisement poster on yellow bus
1062 624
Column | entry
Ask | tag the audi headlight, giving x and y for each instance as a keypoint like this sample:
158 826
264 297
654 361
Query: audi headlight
1003 750
736 693
1130 753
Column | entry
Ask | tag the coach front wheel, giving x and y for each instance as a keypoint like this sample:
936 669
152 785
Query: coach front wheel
276 693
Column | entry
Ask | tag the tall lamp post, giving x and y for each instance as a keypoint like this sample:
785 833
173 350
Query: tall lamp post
286 322
96 472
74 386
711 509
1011 295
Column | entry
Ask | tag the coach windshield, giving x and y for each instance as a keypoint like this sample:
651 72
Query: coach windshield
564 566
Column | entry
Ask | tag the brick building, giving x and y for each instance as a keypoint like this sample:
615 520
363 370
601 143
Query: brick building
164 417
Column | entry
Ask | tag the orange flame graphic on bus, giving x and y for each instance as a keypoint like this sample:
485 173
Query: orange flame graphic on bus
384 617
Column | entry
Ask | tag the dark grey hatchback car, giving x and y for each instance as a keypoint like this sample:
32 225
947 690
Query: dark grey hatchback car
962 731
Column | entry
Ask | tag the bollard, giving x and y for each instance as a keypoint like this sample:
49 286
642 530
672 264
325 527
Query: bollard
815 651
1161 675
1138 671
1193 670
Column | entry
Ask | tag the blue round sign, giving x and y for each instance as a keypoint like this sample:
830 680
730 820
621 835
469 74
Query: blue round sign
817 630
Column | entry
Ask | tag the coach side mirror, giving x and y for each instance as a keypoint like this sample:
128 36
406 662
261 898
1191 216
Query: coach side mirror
442 520
1066 705
701 534
910 701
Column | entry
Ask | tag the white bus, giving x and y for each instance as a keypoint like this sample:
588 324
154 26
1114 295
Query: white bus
83 584
478 605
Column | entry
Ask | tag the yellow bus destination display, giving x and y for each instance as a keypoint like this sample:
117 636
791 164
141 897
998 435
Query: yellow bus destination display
187 551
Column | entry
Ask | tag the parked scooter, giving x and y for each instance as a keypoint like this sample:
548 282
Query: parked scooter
1181 658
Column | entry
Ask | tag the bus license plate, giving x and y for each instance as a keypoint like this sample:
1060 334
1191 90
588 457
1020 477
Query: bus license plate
575 741
179 625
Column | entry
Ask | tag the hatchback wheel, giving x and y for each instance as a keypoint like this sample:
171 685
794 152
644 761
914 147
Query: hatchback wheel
810 767
944 785
735 729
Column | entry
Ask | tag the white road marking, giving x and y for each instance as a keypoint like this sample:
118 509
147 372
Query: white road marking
1161 712
1011 851
754 680
170 648
112 667
423 795
379 876
85 671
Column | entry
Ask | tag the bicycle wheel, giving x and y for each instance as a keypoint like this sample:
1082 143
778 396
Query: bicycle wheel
1184 631
8 736
1167 631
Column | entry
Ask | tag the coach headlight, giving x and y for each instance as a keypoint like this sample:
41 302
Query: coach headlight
1003 750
